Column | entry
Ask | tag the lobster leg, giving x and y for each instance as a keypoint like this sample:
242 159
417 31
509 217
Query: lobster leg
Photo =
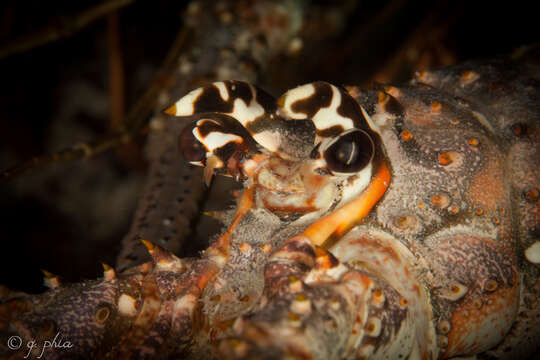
315 306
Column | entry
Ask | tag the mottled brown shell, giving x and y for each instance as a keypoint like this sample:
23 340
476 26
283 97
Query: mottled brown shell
464 148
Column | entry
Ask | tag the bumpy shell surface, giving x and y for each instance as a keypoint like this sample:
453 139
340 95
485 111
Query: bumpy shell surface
464 146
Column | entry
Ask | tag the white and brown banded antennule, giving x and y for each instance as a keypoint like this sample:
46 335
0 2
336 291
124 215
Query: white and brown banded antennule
250 106
331 109
319 149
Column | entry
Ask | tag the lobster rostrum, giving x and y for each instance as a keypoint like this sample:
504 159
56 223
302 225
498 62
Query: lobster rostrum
393 223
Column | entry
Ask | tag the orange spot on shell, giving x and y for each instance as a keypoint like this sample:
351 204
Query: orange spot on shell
406 135
453 209
436 108
478 211
440 200
366 281
370 327
473 142
453 292
532 194
444 326
378 296
101 315
403 302
490 285
519 129
244 247
407 222
266 248
445 158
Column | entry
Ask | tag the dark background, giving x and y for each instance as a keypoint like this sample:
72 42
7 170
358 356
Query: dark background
68 217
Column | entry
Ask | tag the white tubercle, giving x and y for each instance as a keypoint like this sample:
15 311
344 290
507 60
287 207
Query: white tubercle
533 253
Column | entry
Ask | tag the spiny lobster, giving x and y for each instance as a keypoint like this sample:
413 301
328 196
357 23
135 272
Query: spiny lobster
400 222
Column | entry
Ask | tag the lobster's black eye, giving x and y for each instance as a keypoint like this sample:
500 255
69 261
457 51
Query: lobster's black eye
192 149
350 152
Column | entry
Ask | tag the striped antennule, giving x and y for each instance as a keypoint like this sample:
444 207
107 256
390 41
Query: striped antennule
252 107
209 136
331 109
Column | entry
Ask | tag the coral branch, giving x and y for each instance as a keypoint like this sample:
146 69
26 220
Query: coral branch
66 29
79 151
